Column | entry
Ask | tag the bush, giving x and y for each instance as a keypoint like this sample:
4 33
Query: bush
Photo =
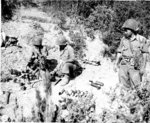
79 44
124 10
77 106
132 107
8 9
100 19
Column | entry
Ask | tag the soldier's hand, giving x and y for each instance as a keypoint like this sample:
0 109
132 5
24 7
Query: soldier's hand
33 72
53 72
142 71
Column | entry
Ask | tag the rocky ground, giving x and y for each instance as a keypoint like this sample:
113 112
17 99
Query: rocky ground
23 99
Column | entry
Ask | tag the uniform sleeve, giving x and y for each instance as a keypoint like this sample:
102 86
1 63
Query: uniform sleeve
119 50
30 58
144 45
31 55
71 53
45 51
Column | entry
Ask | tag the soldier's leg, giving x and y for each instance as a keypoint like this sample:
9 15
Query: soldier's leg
123 76
67 70
135 78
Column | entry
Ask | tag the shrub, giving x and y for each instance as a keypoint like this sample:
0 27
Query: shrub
77 106
79 44
8 9
132 107
100 19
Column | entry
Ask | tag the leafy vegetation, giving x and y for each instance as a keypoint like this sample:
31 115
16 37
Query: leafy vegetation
7 9
132 107
106 16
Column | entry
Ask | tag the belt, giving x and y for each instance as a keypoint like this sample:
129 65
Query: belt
127 60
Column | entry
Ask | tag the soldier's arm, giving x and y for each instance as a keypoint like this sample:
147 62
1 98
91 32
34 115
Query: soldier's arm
71 55
144 45
31 57
144 49
119 56
118 59
45 51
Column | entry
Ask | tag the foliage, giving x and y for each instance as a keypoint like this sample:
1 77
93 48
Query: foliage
138 10
131 107
100 19
106 16
124 10
77 106
8 9
79 44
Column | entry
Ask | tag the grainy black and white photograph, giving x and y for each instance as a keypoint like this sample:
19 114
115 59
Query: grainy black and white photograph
75 61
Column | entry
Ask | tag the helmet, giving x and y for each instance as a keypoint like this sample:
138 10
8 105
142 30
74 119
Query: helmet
61 40
131 24
37 42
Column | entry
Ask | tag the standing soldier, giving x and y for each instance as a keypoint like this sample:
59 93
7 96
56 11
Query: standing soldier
131 58
68 67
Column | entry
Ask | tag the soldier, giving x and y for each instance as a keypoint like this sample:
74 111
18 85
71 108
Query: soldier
37 63
67 66
131 58
38 54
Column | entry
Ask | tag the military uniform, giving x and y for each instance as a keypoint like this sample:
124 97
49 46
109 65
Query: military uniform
68 61
129 76
132 61
37 62
37 55
68 65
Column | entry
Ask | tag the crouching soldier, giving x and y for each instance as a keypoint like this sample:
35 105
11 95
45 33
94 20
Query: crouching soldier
68 67
38 56
37 62
131 56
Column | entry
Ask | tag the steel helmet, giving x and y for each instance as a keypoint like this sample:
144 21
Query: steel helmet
131 24
61 40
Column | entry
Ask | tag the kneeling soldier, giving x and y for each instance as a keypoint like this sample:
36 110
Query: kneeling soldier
38 63
38 55
68 67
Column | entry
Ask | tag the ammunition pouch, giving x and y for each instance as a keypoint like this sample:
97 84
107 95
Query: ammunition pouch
135 61
126 60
